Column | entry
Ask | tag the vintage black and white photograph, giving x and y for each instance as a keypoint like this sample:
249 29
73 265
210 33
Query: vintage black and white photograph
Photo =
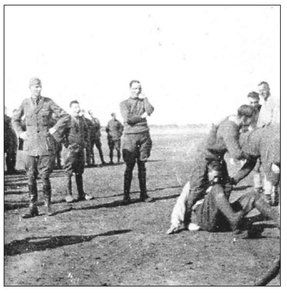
142 145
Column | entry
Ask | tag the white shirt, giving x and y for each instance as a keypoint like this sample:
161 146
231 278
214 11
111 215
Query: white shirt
269 112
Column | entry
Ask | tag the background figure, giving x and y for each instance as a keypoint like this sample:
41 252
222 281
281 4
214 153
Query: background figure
136 140
264 143
39 141
253 99
10 144
96 138
88 144
20 140
75 139
114 131
59 148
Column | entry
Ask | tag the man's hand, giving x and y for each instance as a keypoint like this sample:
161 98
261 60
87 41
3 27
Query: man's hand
144 115
172 229
23 135
52 130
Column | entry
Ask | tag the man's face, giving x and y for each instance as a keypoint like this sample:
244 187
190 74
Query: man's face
246 121
36 90
253 102
264 91
75 109
213 174
135 89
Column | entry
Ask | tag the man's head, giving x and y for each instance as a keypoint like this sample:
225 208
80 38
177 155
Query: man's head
75 108
35 87
245 115
214 171
253 98
135 88
264 90
113 115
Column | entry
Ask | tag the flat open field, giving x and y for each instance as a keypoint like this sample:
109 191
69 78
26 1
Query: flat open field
103 243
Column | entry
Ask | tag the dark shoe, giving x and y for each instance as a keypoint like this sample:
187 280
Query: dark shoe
126 201
146 199
33 212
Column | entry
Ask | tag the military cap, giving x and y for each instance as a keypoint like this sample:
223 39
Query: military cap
35 81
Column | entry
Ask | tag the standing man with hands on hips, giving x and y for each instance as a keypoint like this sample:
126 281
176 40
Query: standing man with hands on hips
39 141
137 142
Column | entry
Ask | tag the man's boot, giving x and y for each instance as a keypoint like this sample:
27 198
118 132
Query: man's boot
80 188
142 182
102 156
127 184
119 156
33 210
224 206
47 198
69 197
264 208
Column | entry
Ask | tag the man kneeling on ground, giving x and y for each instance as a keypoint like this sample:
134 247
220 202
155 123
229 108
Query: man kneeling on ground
214 212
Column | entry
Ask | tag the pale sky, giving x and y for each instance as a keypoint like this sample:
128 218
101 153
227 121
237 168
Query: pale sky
196 64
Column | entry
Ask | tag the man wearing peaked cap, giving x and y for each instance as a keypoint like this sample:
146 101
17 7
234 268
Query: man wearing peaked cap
39 141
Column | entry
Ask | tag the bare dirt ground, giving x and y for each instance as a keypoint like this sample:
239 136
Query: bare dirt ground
103 243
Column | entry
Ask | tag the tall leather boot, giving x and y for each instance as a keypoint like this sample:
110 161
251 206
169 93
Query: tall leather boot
69 197
127 183
33 210
47 197
264 208
142 182
80 188
225 207
119 155
111 156
102 156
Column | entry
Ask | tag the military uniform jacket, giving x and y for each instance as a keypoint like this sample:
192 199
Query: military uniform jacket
114 129
38 121
77 133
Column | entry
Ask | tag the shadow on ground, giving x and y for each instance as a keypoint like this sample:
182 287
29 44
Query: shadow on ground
31 244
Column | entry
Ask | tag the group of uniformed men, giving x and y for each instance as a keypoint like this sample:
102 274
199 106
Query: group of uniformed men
44 127
252 137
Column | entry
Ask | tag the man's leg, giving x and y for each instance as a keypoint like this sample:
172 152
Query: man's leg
92 153
99 147
69 159
224 206
118 149
257 176
32 173
46 165
111 147
179 210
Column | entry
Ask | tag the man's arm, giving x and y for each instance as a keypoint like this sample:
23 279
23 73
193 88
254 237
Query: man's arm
148 107
127 116
245 170
231 139
62 123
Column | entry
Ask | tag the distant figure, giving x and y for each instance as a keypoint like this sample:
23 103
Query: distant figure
75 140
269 112
264 144
88 145
10 145
114 131
58 163
20 140
253 99
39 142
136 139
96 138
